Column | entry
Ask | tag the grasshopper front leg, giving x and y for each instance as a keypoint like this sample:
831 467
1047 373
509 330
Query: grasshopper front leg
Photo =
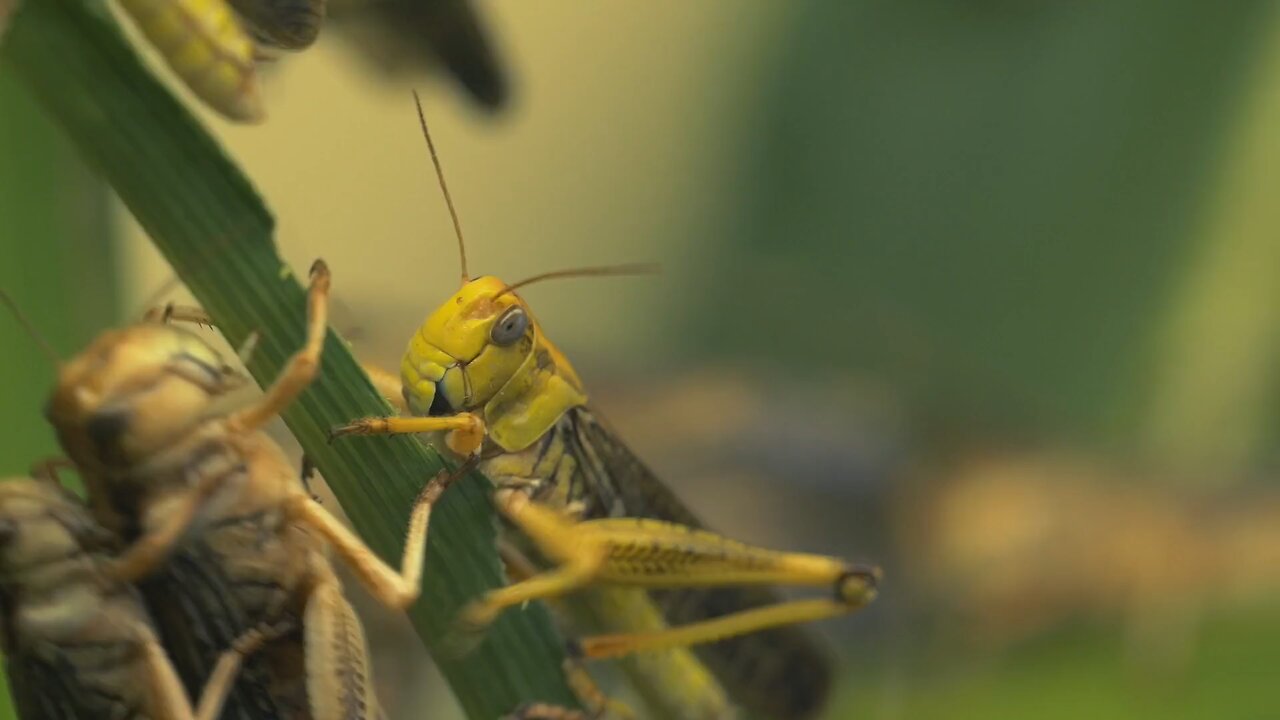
465 432
394 589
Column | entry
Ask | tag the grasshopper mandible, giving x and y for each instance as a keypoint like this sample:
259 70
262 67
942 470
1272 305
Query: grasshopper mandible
223 536
76 643
482 375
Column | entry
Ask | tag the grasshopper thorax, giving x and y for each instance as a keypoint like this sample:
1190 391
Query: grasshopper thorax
133 392
483 352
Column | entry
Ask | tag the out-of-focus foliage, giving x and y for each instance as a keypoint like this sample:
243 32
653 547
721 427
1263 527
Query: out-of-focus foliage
1078 670
995 205
54 246
1029 225
54 249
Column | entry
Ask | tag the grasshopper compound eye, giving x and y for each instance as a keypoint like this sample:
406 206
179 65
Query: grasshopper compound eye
510 326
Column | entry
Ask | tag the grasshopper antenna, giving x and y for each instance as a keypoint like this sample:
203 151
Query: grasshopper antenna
597 271
448 200
27 325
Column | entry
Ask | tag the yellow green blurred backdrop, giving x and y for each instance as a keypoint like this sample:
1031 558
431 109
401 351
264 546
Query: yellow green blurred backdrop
985 292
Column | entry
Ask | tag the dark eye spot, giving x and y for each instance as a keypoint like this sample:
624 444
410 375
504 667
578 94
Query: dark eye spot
105 429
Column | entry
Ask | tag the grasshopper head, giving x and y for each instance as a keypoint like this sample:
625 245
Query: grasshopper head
134 391
482 351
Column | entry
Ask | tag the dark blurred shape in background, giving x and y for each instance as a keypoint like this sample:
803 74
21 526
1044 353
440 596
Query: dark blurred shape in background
401 37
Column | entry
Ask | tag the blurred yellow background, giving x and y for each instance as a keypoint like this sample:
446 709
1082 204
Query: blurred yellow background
984 292
615 149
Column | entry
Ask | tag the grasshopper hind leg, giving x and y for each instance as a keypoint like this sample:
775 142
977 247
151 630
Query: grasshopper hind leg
338 672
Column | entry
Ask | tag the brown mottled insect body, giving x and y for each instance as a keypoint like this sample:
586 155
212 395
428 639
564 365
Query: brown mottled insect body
217 519
237 566
77 644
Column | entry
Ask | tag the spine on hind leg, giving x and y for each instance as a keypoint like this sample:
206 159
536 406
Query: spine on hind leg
339 676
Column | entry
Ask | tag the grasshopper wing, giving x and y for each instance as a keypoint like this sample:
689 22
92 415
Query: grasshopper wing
196 610
778 673
43 691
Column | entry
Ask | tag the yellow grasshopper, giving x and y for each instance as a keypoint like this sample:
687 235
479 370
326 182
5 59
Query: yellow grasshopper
481 374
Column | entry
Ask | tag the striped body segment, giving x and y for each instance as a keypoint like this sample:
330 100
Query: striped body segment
206 46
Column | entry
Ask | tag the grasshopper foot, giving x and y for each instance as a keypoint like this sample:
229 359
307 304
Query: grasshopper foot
859 585
460 642
469 628
320 275
363 426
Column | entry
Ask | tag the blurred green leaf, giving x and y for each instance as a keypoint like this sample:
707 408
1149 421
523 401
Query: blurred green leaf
53 247
54 244
992 204
1214 385
1083 670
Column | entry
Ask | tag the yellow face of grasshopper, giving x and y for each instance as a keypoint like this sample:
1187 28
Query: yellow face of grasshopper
482 351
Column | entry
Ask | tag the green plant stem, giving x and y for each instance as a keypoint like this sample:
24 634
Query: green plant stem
206 219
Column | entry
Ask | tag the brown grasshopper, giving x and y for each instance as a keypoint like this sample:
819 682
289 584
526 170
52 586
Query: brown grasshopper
77 644
223 534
